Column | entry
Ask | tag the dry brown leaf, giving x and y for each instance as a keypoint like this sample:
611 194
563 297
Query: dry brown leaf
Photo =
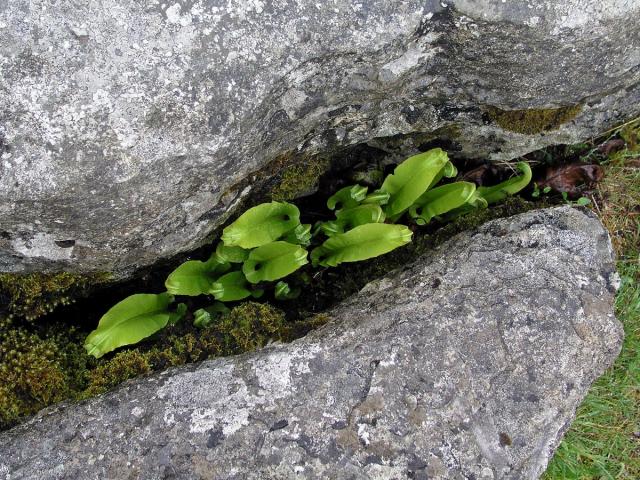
575 178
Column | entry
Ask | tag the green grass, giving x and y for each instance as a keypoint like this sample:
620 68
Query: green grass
604 440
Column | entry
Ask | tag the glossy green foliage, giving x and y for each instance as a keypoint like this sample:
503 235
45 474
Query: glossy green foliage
328 228
131 320
231 254
283 291
475 202
347 197
379 197
508 187
269 241
361 243
274 261
261 225
203 317
230 287
411 179
441 200
355 216
195 277
448 171
300 235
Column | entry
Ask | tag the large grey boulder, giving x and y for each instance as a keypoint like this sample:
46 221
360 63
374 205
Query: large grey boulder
469 363
130 130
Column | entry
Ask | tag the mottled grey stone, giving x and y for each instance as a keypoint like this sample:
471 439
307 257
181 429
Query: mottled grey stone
469 363
129 130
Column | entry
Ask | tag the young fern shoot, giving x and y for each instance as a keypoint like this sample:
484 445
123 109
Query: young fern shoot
267 243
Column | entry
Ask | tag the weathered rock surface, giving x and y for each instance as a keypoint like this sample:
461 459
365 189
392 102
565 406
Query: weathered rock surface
467 364
126 128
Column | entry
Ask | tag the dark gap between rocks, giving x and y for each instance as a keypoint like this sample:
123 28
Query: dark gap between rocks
184 343
328 286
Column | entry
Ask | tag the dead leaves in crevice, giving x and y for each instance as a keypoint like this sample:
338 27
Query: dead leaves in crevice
611 146
575 179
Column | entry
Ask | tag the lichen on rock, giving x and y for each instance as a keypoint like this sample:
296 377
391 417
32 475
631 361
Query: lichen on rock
533 120
299 179
128 172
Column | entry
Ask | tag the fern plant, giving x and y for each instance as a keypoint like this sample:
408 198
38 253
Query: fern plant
267 243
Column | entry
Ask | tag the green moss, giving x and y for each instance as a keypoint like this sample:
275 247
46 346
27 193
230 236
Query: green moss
534 120
123 366
36 370
33 295
46 365
302 327
247 327
299 179
43 364
173 350
250 326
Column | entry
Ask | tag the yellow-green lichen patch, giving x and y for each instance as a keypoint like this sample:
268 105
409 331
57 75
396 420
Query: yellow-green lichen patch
299 179
534 120
32 295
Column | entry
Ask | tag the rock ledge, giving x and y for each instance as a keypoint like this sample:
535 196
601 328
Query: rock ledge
129 130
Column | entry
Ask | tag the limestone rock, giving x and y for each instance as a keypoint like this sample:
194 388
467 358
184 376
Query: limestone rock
130 130
469 363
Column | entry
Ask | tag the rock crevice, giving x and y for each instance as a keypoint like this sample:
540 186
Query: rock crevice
469 362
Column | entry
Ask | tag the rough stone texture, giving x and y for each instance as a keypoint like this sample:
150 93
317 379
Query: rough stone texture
467 364
127 127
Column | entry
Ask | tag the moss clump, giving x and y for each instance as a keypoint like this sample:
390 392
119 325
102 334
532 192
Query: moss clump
172 350
121 367
301 327
247 327
36 371
33 295
532 121
299 179
250 326
41 367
